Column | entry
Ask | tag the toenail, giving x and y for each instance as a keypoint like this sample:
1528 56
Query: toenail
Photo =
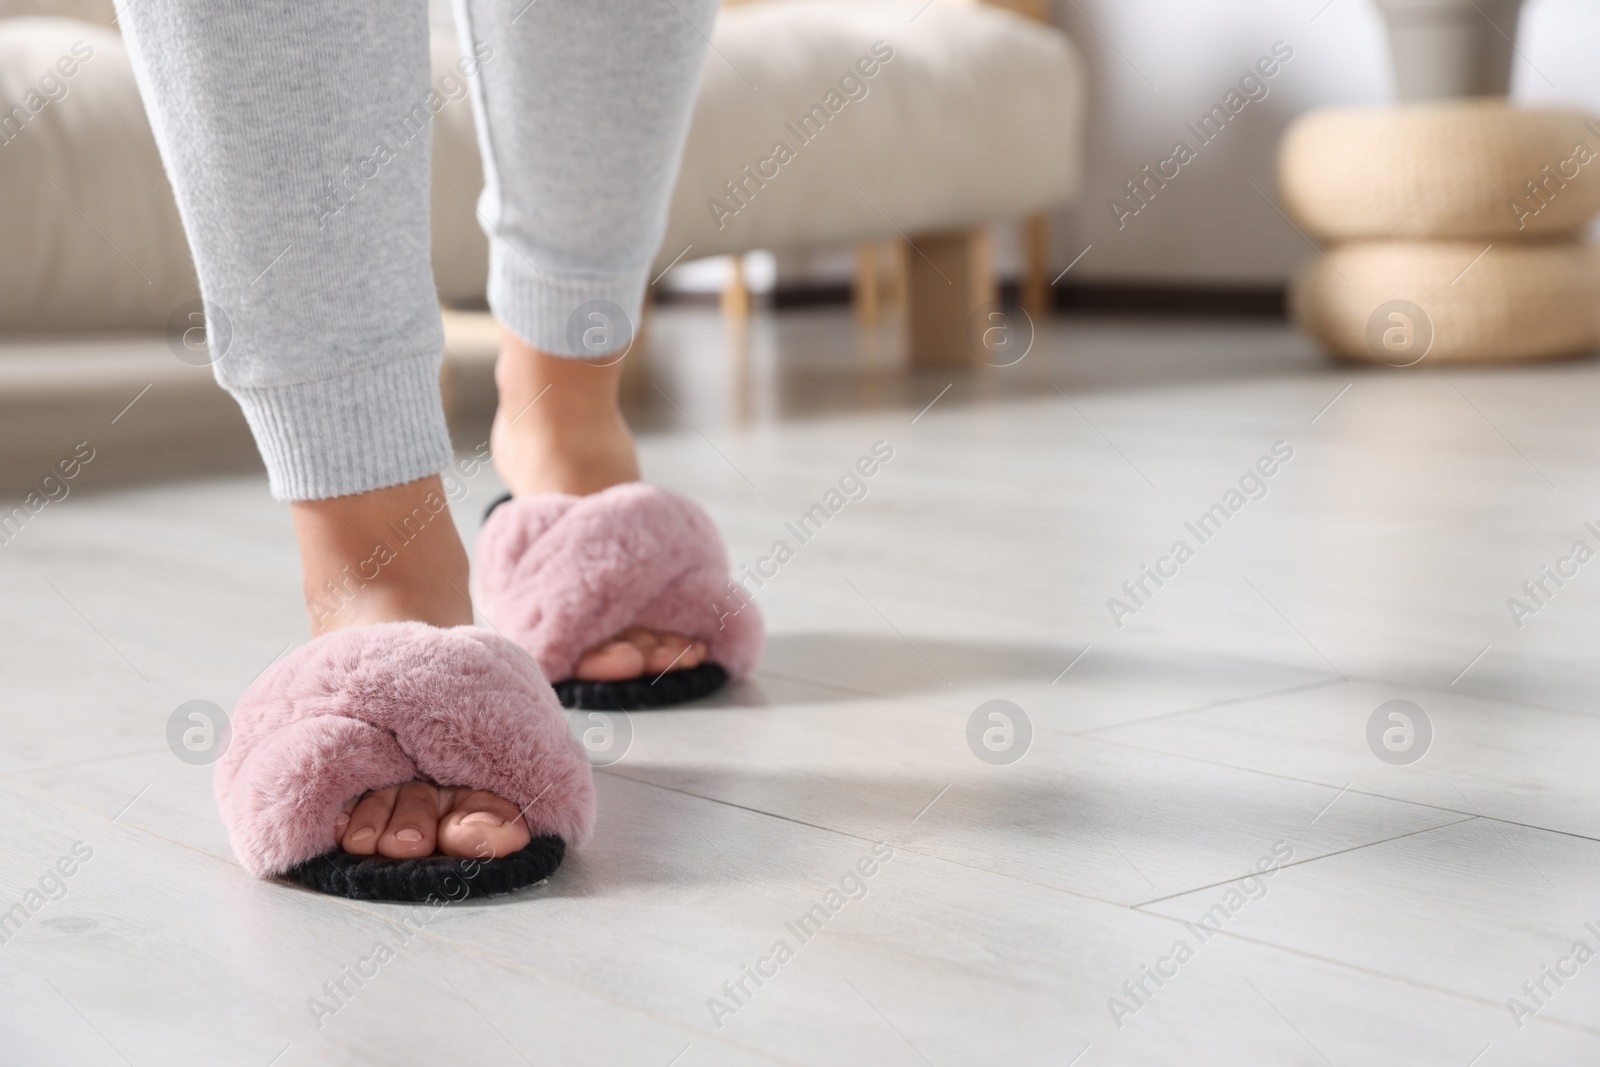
341 822
482 818
364 832
409 834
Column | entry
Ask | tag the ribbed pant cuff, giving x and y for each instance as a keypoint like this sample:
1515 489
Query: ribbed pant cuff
583 315
379 427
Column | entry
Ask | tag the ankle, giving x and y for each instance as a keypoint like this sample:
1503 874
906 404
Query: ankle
559 426
581 389
385 556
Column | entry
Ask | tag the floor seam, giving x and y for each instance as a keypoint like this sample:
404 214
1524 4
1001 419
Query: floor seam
1224 702
1359 969
82 762
1014 878
1309 859
1327 785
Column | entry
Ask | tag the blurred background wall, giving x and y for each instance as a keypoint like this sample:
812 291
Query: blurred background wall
1209 227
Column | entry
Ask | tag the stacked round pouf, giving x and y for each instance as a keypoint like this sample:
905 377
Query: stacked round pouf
1453 230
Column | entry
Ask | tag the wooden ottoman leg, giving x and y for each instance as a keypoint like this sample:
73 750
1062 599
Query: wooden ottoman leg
865 295
894 280
736 293
1036 250
948 275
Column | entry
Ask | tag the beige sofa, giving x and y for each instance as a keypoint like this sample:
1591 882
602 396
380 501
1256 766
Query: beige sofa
973 115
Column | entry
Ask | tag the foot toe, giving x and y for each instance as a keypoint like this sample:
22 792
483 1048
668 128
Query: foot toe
414 823
671 654
613 661
481 825
341 821
368 820
637 652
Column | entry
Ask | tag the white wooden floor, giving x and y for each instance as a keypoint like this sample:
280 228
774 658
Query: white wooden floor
1224 726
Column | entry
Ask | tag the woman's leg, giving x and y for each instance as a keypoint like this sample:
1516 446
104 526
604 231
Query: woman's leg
297 141
582 112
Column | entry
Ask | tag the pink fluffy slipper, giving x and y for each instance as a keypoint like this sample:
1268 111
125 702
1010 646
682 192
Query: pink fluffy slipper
561 574
363 709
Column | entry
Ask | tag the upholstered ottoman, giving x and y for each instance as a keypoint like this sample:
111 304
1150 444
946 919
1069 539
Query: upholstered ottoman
1454 230
1468 169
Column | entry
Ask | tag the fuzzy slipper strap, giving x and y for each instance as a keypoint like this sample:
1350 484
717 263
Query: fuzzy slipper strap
561 574
362 709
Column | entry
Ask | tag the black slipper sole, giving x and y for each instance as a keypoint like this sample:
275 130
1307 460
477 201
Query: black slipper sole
636 694
639 694
428 878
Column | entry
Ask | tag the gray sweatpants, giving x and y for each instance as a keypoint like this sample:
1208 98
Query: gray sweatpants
295 134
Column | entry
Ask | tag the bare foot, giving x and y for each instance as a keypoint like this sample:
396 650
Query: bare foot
637 651
420 818
393 555
559 429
